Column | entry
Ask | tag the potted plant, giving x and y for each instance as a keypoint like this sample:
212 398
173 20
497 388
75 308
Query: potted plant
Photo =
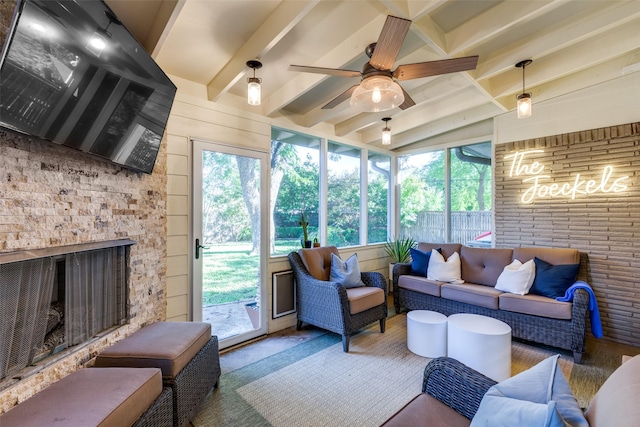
316 244
306 243
399 252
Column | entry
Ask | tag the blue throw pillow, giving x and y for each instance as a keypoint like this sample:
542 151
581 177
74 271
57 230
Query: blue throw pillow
420 261
552 281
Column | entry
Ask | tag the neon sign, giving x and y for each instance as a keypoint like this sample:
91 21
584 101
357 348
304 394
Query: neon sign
533 174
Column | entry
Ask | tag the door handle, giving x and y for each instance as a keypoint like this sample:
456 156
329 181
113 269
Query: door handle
198 247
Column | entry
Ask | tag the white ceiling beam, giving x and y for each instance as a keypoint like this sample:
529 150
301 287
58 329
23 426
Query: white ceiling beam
410 9
417 117
494 21
557 37
617 42
347 51
443 125
606 71
279 23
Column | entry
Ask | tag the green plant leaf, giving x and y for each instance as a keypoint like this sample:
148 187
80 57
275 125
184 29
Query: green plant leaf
399 249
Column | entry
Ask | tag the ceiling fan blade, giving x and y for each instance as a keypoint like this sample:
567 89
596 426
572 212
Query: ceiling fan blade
435 68
389 42
408 102
340 98
321 70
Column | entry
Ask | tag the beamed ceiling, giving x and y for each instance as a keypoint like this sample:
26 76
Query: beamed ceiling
573 44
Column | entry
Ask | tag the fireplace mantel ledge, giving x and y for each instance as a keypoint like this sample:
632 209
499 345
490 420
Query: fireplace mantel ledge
16 256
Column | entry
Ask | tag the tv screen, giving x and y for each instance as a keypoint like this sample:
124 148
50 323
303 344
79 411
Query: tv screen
71 73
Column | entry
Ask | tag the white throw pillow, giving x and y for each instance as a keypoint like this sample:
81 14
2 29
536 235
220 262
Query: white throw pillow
517 278
444 271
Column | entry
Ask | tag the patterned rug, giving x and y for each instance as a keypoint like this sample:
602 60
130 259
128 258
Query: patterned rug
317 384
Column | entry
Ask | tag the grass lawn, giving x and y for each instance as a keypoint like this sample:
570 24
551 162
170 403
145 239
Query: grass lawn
231 274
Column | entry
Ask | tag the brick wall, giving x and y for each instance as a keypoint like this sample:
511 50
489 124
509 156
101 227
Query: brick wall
603 226
55 196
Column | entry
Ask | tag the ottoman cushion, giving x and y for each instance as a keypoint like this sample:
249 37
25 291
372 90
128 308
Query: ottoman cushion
165 345
90 397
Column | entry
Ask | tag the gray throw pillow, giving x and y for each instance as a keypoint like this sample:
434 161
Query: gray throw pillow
347 273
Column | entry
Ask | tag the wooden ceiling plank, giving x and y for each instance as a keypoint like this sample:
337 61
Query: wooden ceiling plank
560 36
494 21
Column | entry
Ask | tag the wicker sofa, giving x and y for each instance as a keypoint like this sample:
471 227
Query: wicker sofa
531 317
452 392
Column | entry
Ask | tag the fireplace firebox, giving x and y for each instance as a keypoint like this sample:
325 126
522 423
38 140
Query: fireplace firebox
55 298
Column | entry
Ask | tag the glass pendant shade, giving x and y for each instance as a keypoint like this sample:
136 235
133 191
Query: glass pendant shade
253 91
524 105
377 93
386 136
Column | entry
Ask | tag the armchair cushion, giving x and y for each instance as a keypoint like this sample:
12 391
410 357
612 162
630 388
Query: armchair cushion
346 273
317 261
363 298
541 392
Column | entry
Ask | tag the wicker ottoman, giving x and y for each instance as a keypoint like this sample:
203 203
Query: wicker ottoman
186 353
98 397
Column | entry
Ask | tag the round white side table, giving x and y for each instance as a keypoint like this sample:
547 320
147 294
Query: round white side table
482 343
427 333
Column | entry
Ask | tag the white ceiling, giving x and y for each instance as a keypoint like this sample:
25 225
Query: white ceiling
574 45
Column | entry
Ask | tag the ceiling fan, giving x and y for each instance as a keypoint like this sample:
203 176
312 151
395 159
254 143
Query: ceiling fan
378 91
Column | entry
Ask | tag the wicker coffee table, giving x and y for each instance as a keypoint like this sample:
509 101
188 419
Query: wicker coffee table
480 342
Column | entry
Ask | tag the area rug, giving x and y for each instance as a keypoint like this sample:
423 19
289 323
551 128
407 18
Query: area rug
317 384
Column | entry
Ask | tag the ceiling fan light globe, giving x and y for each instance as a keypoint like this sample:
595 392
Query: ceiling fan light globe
377 93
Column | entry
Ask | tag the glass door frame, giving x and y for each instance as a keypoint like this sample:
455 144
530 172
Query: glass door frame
198 146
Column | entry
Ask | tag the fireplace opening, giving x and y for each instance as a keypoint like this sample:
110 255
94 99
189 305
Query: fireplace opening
54 299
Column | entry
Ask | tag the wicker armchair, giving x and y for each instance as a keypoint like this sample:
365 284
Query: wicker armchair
329 305
451 395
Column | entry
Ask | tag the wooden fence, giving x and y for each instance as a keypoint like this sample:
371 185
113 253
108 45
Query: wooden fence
465 226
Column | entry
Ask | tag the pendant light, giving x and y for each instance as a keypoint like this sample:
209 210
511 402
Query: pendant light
253 89
524 99
386 132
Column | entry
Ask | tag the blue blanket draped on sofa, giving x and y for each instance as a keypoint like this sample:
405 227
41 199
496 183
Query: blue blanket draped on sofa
596 324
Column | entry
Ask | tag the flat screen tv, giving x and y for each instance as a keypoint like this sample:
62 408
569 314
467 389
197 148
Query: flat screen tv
71 73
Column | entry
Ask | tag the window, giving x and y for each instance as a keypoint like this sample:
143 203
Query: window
343 195
294 186
378 200
436 209
325 180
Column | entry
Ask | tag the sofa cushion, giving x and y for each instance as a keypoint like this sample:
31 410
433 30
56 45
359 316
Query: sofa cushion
482 266
105 397
480 295
446 249
346 273
550 255
426 410
444 271
517 278
536 305
616 403
165 345
553 280
364 298
317 261
420 284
